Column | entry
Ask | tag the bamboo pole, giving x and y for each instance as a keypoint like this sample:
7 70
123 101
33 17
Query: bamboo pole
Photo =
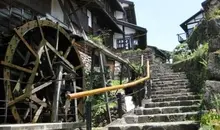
106 89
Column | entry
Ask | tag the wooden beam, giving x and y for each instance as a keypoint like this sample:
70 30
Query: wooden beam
104 84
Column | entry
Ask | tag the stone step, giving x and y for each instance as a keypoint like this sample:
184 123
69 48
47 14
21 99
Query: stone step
169 88
165 78
171 91
166 110
169 84
176 98
171 81
172 95
132 119
171 73
172 103
183 125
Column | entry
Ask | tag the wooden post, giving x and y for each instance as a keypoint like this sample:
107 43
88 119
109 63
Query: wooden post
121 74
102 71
119 97
75 101
142 60
88 100
129 74
88 115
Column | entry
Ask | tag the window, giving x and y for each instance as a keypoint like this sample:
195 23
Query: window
89 14
123 45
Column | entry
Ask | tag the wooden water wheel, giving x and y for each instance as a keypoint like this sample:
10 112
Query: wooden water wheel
40 67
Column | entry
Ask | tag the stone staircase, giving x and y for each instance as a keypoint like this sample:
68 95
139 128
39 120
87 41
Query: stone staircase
172 106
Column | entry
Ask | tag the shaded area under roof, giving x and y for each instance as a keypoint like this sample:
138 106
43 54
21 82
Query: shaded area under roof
98 9
141 33
130 25
159 52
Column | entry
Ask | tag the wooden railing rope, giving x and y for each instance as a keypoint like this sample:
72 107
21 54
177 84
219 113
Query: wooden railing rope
107 89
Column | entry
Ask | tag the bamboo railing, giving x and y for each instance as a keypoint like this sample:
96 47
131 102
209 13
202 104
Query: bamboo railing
107 89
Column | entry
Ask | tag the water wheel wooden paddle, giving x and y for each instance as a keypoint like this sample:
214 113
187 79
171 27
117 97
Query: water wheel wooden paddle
40 67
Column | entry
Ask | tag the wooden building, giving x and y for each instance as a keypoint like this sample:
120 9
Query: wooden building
189 25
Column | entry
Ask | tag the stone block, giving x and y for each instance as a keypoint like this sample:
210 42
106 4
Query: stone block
212 88
214 44
213 66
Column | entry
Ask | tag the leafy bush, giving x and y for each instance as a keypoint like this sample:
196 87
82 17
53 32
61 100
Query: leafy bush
210 120
181 48
213 14
99 112
181 52
195 66
96 39
131 51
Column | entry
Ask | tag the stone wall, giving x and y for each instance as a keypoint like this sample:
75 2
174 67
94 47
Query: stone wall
207 32
87 60
195 72
135 56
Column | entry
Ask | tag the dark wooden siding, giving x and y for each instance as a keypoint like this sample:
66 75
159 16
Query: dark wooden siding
41 6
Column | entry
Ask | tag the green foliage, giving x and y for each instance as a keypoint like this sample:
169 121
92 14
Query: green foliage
138 68
181 48
115 82
213 14
99 111
96 39
131 51
210 119
99 39
195 66
181 52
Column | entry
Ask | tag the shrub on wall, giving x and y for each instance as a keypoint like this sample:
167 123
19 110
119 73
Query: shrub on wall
211 119
195 66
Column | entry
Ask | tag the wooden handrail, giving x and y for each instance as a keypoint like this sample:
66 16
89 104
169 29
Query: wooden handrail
107 89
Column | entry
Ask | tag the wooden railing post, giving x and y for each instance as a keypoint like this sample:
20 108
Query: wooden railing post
121 74
88 100
119 97
104 84
88 115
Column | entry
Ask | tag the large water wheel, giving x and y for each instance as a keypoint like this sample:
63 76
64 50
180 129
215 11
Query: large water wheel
39 68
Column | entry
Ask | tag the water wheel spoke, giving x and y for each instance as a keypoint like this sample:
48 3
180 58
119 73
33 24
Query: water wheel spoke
17 99
67 107
78 67
26 43
57 37
27 113
37 114
41 30
67 51
15 114
17 86
58 55
49 60
19 53
38 101
13 66
36 89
